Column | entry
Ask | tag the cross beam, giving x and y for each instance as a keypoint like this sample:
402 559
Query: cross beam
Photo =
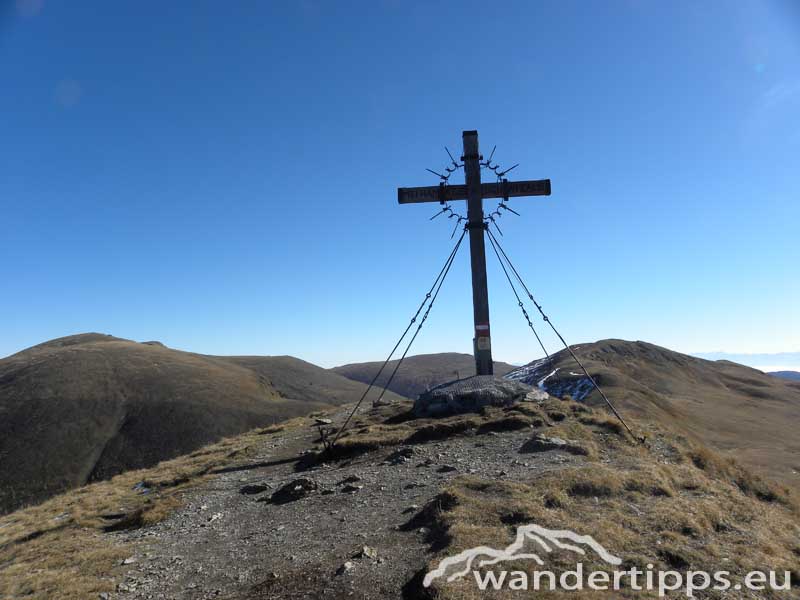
445 193
473 191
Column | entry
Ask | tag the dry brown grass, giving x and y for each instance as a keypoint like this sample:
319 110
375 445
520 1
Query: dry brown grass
726 468
392 429
673 504
679 507
58 549
566 419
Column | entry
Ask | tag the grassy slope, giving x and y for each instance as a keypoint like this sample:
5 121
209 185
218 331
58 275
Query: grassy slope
680 507
87 407
733 408
61 548
674 504
295 378
418 373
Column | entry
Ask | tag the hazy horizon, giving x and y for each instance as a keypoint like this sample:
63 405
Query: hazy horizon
778 361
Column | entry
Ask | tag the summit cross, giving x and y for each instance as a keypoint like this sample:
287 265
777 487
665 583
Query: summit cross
473 191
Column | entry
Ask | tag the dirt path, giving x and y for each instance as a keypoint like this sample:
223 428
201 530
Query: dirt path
226 544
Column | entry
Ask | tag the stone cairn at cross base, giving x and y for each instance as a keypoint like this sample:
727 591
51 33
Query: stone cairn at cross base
472 394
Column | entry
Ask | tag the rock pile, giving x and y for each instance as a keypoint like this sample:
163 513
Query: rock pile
474 393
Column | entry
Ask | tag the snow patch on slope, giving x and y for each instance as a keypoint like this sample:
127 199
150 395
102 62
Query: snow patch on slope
541 374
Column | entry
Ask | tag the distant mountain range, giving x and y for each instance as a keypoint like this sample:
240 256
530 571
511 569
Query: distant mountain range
792 375
777 361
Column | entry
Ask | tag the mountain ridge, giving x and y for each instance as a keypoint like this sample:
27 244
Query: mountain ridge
147 402
86 407
734 408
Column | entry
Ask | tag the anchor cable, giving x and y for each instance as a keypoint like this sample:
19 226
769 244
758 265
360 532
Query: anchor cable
519 301
429 296
421 323
546 319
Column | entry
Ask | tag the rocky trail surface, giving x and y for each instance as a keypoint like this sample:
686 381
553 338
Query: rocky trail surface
269 514
350 529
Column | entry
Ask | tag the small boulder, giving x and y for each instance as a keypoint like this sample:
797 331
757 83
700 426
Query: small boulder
345 568
367 552
350 479
253 488
400 456
536 395
543 443
294 490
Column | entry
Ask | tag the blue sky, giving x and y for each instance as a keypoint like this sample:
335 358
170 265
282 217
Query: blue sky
222 176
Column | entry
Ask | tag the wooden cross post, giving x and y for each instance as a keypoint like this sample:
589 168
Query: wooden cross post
474 192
